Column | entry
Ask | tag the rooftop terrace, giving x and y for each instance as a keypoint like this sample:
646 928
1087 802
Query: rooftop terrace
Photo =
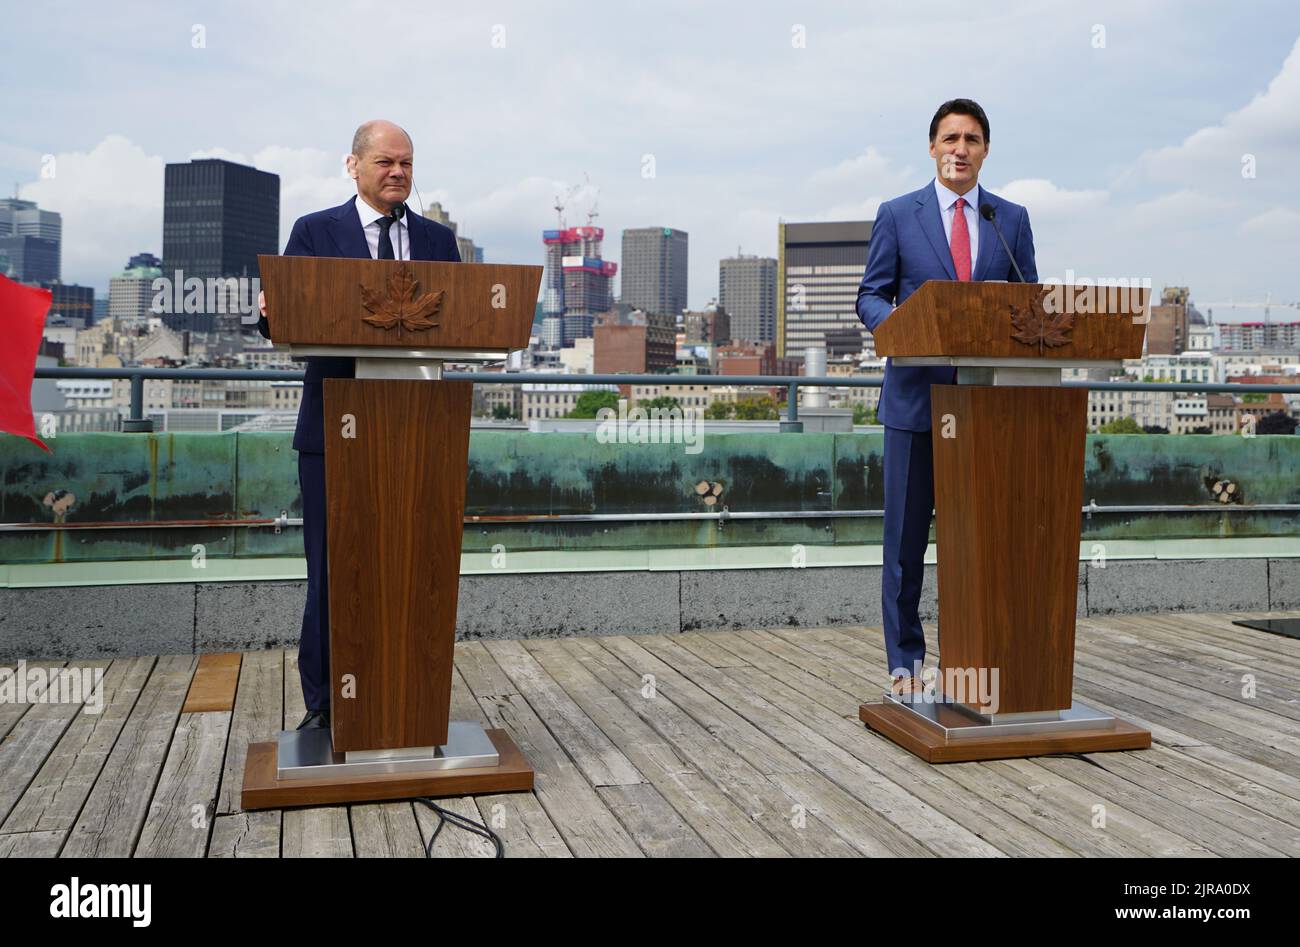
739 743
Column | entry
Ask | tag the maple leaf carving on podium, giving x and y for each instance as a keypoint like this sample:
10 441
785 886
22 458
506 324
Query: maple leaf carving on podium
400 306
1034 325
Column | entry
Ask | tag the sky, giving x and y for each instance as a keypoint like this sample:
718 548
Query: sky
1156 140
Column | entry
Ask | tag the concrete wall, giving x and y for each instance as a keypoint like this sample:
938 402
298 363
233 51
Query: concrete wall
98 621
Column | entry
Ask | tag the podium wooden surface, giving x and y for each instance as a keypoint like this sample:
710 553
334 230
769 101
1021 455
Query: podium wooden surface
1008 480
396 456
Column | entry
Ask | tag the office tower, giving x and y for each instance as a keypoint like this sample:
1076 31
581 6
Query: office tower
30 239
131 292
819 268
654 269
469 253
217 217
747 293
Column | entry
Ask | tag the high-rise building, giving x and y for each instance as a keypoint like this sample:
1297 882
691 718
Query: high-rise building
469 253
818 272
578 282
655 269
130 293
747 291
30 241
75 304
217 217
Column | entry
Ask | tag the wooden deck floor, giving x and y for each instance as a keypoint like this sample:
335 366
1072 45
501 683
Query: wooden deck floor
721 743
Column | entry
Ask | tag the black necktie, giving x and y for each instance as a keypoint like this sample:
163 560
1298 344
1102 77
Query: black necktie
385 242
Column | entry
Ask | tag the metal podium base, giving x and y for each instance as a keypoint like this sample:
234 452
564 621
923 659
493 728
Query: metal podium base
942 731
309 754
300 768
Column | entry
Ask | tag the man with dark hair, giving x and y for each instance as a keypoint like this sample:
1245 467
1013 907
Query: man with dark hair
363 226
936 233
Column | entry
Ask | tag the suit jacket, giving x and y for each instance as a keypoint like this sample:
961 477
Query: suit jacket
337 233
908 247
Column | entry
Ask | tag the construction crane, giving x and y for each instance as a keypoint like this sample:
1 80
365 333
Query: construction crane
1266 305
561 201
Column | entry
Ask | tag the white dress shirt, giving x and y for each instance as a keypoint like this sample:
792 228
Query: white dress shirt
947 200
370 226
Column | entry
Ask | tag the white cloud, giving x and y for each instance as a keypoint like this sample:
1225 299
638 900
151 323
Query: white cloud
110 199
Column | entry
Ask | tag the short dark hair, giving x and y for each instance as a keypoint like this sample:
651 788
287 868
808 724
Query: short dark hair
960 107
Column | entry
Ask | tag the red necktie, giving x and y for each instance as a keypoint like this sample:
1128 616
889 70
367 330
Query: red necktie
960 241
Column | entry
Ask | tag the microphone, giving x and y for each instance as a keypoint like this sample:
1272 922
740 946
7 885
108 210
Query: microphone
398 212
989 214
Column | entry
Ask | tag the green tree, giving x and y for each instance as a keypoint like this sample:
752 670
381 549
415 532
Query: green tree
502 412
662 402
757 409
719 411
1120 426
589 402
863 415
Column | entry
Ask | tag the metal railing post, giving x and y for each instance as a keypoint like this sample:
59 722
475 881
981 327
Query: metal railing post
136 422
792 424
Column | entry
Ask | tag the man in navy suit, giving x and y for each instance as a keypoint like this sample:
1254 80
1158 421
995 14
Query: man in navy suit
936 233
374 224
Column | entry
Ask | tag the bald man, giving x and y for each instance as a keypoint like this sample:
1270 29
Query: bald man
375 224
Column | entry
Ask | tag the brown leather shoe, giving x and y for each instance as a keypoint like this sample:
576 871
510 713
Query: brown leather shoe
906 684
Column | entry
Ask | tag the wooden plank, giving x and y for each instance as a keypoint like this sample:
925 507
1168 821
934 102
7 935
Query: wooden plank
56 795
721 822
246 835
525 829
259 715
706 757
1214 670
1209 803
728 713
386 830
453 841
31 844
894 816
109 824
184 802
11 713
24 751
1122 814
601 762
583 819
213 687
305 831
823 705
321 832
658 828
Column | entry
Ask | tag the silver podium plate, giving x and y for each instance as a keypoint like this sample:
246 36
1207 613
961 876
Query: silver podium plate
309 754
959 722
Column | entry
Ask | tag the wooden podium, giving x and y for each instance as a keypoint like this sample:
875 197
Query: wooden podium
396 454
1008 478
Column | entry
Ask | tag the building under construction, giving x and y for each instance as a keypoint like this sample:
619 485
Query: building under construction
578 282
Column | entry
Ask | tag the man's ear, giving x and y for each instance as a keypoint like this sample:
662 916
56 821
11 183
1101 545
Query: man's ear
933 153
352 166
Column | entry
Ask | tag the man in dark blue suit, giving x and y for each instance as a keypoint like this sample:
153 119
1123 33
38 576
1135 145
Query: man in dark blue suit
375 224
936 233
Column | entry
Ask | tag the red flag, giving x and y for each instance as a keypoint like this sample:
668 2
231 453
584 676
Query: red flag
22 318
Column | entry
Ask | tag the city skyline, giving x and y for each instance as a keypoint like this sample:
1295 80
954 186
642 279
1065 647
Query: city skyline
1156 189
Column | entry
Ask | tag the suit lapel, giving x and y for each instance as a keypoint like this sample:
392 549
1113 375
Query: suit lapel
345 230
988 240
927 215
421 246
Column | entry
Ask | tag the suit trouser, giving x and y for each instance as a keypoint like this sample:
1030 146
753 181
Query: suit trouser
909 502
314 645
